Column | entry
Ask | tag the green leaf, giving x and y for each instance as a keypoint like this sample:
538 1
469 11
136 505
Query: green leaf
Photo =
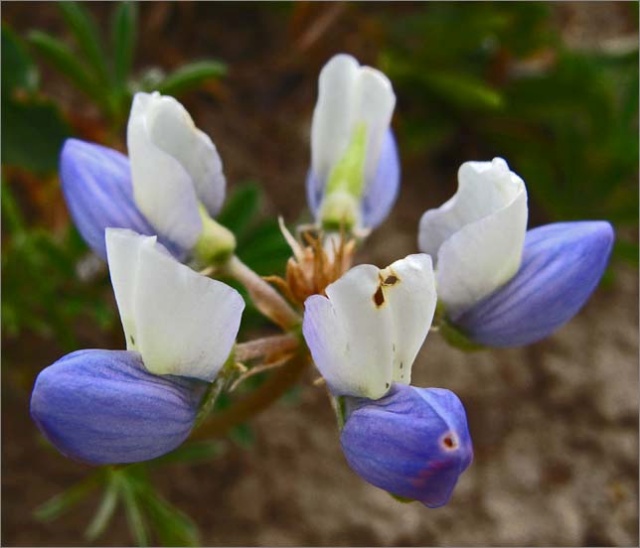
18 69
172 527
133 511
123 29
87 36
64 60
466 91
33 134
106 509
63 502
240 208
190 76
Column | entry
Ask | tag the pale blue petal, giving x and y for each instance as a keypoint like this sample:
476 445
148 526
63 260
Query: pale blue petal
561 266
414 442
96 183
381 193
103 407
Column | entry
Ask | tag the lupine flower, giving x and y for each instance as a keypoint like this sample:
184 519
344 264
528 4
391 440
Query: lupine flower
171 184
500 285
355 172
561 266
476 237
365 334
413 442
104 407
109 406
96 183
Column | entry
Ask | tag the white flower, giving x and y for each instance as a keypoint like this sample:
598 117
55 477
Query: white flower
176 170
365 334
477 237
354 172
180 322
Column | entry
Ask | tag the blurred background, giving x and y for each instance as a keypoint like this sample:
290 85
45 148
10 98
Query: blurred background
551 87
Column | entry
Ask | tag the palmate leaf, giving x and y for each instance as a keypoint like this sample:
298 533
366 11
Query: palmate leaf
64 60
87 36
123 40
190 76
33 132
19 70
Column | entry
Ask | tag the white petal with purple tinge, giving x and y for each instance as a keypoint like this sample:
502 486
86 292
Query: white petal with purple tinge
174 166
476 238
182 323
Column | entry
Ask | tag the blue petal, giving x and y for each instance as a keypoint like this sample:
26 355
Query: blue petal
561 266
96 182
380 193
414 442
103 407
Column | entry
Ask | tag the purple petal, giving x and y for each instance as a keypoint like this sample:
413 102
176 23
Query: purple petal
414 442
96 182
380 193
103 407
561 266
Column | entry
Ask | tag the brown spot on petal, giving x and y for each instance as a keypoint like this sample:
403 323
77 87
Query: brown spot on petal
378 297
391 280
449 442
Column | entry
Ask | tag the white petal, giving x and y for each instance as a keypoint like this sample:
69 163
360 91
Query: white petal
173 165
334 113
350 336
481 257
123 249
348 95
376 102
186 323
409 291
478 235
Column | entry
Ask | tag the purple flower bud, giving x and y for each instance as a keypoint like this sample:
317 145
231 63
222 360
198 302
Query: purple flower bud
413 442
380 192
561 266
103 407
96 182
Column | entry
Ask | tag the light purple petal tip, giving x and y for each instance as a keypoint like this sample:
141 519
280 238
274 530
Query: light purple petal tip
103 407
382 192
562 265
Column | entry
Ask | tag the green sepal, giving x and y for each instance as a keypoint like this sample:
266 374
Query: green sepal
216 244
457 338
403 500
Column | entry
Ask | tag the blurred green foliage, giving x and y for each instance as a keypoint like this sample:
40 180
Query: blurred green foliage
104 74
495 78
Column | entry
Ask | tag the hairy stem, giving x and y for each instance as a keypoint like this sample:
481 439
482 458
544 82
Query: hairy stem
265 297
269 392
268 346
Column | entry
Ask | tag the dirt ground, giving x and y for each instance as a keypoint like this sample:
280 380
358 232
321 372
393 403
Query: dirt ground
554 425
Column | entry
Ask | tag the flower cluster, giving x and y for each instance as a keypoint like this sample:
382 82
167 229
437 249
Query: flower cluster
480 276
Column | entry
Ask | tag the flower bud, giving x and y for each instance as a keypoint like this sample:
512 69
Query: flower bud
96 183
561 266
355 174
413 442
103 407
